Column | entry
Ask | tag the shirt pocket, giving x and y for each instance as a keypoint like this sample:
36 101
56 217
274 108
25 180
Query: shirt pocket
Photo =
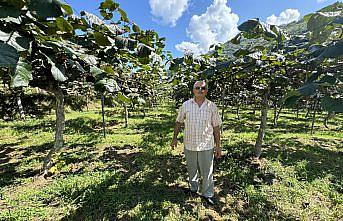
207 115
189 116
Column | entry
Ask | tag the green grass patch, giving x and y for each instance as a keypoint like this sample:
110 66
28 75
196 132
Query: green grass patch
132 174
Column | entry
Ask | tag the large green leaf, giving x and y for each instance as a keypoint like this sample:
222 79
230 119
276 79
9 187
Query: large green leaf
135 27
291 101
123 98
308 89
64 26
144 50
57 70
89 59
109 85
101 39
15 40
123 16
45 8
330 79
67 9
8 55
335 50
6 11
95 71
18 4
237 39
338 20
109 5
331 104
22 74
254 28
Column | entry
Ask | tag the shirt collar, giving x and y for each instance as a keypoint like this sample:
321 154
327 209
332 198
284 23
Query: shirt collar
205 101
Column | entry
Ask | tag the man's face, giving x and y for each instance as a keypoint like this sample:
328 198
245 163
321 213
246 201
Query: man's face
200 90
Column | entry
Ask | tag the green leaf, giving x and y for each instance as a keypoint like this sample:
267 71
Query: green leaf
95 71
338 20
15 40
291 101
111 85
8 55
254 28
22 75
64 26
335 50
18 4
106 15
308 89
123 98
108 69
328 79
89 59
241 52
109 4
144 50
101 39
237 39
45 8
135 28
123 15
332 105
57 70
6 11
67 9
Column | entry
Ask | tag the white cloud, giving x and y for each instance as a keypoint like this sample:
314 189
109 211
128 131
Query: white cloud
168 10
217 24
189 47
285 17
321 1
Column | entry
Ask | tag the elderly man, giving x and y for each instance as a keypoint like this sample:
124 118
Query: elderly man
201 140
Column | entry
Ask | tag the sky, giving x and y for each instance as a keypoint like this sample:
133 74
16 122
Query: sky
194 25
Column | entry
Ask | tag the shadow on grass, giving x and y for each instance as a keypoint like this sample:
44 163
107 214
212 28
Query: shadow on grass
146 183
82 125
240 173
319 159
157 131
41 126
11 171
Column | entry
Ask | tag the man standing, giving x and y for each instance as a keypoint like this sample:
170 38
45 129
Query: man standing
201 139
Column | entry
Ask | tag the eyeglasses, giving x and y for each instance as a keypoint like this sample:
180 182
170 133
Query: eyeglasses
200 88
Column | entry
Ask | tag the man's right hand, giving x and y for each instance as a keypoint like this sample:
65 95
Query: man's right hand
173 144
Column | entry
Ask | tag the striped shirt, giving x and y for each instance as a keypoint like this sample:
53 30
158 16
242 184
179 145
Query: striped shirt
199 123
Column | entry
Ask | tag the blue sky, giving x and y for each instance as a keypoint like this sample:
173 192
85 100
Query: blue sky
192 25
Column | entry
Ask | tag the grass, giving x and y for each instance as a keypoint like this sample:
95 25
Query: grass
132 174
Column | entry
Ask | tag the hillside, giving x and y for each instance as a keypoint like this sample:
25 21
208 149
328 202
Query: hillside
294 28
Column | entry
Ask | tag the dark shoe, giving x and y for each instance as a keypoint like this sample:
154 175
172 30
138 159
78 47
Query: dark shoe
193 193
210 200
